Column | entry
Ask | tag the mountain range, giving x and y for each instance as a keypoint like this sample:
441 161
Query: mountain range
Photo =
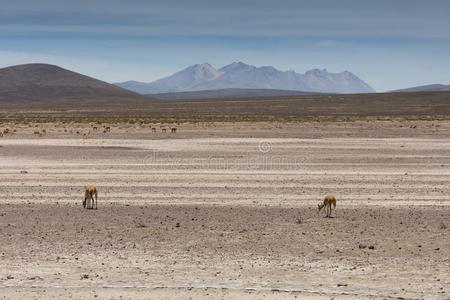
239 75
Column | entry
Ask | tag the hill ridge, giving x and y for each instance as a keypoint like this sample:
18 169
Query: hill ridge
40 82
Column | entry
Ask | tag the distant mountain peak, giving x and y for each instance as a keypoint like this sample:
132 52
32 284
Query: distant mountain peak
236 66
239 75
317 72
240 64
204 70
205 64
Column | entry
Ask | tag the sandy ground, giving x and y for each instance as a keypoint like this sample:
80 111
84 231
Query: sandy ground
371 128
227 211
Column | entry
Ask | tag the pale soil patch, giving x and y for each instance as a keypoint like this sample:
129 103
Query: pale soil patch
210 214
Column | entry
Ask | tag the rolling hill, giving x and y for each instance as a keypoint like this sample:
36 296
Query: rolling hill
425 88
43 83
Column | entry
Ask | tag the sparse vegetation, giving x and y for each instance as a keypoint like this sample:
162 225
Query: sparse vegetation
312 108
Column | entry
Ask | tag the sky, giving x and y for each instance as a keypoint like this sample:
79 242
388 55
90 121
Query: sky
390 44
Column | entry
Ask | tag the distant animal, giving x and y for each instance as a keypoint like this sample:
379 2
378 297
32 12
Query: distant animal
164 130
89 193
154 130
173 130
328 201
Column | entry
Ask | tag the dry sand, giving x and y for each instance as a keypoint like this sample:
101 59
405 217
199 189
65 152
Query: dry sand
227 211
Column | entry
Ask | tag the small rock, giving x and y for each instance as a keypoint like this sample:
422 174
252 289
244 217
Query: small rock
342 284
9 277
23 172
362 246
34 278
85 276
177 225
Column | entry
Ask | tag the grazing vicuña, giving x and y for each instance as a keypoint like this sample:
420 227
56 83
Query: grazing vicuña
89 194
328 201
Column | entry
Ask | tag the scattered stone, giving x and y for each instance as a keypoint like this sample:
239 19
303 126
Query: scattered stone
342 284
9 277
362 246
177 225
372 247
84 276
141 225
34 278
24 172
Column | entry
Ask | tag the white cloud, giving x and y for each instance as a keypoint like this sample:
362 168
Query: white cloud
319 18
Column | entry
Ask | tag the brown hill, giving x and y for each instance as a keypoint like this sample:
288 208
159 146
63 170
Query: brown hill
49 84
425 88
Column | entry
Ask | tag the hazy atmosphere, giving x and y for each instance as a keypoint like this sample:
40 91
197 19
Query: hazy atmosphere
389 44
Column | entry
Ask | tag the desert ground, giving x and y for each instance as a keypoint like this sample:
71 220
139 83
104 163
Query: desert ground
225 210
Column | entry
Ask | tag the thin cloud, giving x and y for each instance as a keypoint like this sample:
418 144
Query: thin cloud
394 19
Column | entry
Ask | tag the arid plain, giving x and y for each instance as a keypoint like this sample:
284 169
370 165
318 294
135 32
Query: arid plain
226 210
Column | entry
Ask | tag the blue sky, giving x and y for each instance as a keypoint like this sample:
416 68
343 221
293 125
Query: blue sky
388 43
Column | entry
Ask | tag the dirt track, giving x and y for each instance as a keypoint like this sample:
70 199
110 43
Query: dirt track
227 217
